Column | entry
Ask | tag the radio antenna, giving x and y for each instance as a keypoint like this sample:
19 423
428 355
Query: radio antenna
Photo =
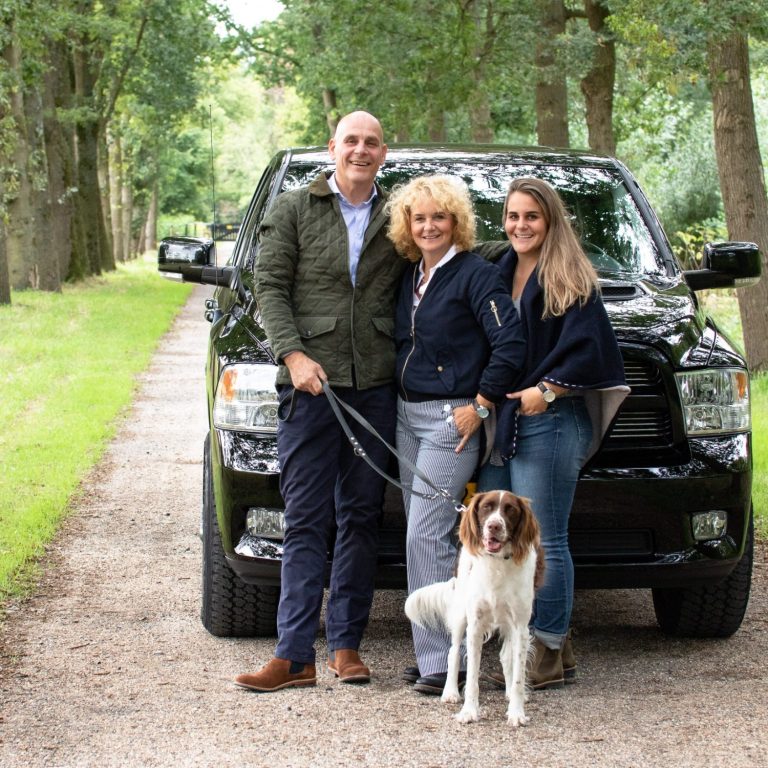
213 176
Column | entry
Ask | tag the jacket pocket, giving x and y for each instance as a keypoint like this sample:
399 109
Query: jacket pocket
310 327
445 371
385 325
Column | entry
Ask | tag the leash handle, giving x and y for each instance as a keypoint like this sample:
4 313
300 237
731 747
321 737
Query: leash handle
335 401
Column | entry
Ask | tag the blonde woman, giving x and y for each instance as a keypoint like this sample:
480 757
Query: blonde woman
459 351
570 391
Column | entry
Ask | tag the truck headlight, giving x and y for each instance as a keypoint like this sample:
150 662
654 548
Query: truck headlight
715 401
246 399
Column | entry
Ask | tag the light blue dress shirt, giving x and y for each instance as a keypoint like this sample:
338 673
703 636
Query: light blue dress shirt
356 217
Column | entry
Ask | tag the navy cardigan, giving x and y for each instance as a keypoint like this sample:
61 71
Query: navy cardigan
464 337
577 350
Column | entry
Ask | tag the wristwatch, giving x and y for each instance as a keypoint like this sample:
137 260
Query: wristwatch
482 411
548 394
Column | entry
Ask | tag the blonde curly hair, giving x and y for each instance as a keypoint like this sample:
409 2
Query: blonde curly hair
451 195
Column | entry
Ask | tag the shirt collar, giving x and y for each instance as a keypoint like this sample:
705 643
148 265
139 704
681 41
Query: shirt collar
333 184
450 253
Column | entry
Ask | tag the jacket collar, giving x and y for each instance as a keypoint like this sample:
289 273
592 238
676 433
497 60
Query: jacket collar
320 188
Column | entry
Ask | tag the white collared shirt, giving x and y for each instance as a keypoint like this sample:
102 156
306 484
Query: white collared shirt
421 284
357 218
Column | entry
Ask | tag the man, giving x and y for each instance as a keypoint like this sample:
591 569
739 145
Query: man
326 278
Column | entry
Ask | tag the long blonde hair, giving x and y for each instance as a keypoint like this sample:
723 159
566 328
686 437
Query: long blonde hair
565 273
449 194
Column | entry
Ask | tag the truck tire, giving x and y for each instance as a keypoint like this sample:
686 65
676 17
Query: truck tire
230 607
713 610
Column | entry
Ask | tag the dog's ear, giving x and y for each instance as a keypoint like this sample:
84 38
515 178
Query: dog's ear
469 531
527 531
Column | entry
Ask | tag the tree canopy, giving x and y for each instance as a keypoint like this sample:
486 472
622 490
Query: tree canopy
107 109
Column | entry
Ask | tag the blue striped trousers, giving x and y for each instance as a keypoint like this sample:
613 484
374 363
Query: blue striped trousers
427 436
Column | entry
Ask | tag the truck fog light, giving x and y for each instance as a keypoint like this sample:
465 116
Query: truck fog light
265 522
709 525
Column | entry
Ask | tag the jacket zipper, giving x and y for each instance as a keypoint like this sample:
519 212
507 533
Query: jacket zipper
413 337
495 312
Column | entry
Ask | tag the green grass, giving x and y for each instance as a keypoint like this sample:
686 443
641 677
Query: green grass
760 453
68 365
724 308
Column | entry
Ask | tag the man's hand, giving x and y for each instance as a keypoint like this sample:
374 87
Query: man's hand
306 374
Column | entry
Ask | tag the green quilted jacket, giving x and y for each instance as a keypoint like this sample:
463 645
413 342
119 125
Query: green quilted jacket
305 295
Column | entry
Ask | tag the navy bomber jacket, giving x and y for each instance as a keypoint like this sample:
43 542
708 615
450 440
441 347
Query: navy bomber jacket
463 339
577 350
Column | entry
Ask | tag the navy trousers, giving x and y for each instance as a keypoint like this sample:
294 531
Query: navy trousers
322 482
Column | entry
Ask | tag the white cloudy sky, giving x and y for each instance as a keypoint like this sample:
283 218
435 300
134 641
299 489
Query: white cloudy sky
251 12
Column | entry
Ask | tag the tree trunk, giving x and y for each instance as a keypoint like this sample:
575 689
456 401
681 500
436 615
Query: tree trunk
741 177
115 195
551 84
43 254
20 225
597 85
96 257
59 157
480 117
5 286
435 124
104 190
126 204
331 110
150 227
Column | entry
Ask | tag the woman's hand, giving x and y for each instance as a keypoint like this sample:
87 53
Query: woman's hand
467 423
531 401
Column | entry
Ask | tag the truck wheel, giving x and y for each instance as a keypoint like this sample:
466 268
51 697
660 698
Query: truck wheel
230 607
713 610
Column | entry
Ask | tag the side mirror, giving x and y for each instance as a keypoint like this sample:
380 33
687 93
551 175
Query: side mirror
726 265
177 254
193 260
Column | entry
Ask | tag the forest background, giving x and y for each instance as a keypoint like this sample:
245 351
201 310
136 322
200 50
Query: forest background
109 110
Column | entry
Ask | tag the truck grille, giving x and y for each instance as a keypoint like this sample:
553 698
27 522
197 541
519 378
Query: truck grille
644 424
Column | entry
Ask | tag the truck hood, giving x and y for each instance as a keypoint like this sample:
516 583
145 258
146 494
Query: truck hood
666 316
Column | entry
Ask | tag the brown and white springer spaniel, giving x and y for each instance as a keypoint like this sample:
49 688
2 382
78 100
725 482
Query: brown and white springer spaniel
501 564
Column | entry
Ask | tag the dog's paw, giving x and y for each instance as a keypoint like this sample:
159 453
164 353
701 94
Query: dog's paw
450 697
517 717
467 715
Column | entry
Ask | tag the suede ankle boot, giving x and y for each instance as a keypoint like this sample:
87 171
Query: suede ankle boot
569 660
545 669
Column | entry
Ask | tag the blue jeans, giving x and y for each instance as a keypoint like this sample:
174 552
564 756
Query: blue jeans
551 449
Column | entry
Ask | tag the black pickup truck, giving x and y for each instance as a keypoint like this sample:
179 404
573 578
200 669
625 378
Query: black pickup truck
665 504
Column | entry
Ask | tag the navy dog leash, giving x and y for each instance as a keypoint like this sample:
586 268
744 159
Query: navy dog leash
337 404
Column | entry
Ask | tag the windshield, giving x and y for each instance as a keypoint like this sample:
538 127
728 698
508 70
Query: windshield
603 213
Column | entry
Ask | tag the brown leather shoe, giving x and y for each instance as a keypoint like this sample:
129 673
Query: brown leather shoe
278 674
348 667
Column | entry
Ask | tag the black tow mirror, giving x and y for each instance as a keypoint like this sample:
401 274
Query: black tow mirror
176 254
726 265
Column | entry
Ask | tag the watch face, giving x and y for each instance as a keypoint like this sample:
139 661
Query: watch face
481 410
547 394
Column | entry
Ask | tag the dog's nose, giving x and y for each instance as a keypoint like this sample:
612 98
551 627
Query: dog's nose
495 527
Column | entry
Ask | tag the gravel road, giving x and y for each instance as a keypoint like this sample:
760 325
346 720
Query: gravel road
108 664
